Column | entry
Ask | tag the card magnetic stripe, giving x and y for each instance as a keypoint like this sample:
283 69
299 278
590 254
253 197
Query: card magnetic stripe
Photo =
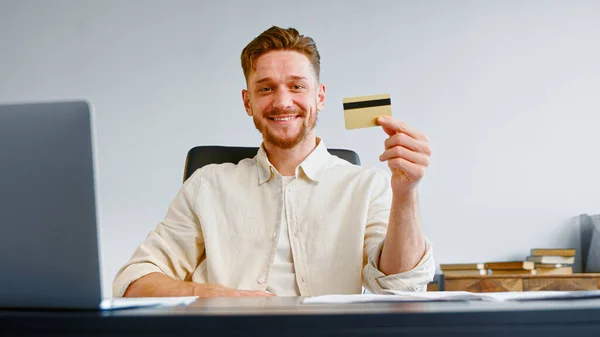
368 104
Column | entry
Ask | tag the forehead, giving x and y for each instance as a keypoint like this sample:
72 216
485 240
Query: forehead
281 64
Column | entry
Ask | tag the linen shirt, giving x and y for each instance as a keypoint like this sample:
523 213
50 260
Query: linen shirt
282 277
223 227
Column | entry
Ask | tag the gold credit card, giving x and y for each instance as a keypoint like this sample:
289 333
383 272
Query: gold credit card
361 112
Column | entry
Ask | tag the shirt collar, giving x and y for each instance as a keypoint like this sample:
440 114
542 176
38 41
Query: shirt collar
312 166
265 168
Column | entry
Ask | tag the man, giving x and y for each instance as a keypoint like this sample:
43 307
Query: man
294 220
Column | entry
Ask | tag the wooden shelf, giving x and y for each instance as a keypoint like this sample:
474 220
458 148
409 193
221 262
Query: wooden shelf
491 283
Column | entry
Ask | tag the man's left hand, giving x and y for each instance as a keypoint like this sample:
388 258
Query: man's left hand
407 153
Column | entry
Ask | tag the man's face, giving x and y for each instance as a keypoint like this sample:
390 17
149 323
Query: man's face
283 98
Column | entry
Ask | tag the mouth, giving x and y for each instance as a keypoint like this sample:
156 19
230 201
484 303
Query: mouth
282 119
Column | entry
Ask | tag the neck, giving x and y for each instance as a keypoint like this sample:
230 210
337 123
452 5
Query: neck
287 160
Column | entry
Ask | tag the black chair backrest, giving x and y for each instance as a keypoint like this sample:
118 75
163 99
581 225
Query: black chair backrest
204 155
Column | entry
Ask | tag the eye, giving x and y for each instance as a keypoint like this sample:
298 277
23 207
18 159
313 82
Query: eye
298 87
265 89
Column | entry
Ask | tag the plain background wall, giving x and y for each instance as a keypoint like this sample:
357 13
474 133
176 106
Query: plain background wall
508 92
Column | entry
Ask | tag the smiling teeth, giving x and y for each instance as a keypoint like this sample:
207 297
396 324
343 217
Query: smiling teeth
283 118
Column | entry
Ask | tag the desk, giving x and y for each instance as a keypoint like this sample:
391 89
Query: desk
493 283
287 317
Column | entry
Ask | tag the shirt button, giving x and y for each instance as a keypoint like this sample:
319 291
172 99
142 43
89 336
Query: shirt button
261 280
274 235
296 234
302 279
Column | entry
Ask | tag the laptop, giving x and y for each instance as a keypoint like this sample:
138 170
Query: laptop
49 239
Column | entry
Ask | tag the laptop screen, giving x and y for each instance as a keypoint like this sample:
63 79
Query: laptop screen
48 245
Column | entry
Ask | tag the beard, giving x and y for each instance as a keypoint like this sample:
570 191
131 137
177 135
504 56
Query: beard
292 140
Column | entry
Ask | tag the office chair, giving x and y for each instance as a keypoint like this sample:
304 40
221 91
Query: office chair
204 155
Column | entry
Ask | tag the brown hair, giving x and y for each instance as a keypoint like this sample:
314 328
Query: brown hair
276 38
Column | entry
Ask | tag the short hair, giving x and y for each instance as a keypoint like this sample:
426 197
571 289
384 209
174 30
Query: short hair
276 38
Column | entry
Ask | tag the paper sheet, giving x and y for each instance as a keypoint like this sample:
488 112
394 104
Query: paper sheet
135 302
449 296
397 296
539 295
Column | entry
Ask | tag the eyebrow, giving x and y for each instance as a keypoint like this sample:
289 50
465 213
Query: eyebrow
293 77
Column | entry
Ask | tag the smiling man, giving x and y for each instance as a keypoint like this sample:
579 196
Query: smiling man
294 220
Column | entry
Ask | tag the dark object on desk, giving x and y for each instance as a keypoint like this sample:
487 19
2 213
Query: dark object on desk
590 242
203 155
286 316
48 244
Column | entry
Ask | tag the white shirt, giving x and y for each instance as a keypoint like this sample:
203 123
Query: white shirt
223 228
282 277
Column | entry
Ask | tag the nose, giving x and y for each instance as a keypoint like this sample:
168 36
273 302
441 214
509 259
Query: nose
282 100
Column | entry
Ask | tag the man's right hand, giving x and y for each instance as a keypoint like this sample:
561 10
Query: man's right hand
160 285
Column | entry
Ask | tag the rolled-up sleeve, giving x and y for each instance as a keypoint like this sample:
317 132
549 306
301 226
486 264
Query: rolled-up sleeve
172 248
415 279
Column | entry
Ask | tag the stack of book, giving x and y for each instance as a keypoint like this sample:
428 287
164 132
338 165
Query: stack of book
463 269
542 261
511 268
552 261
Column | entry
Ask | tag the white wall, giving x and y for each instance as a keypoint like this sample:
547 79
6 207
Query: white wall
508 92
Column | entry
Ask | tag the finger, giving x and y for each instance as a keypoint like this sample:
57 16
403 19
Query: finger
260 293
391 125
404 153
252 294
404 140
413 172
390 132
268 294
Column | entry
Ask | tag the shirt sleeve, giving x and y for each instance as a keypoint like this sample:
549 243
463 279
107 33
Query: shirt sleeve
378 215
173 247
415 279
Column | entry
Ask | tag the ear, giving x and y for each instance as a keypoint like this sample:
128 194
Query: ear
321 97
246 100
